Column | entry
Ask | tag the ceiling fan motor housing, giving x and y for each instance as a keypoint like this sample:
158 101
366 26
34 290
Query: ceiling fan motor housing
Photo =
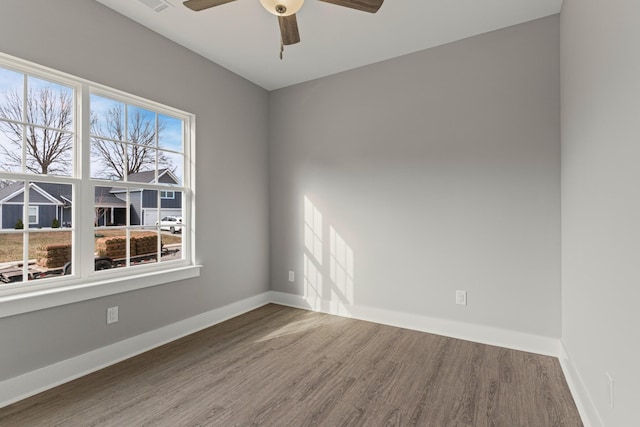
282 7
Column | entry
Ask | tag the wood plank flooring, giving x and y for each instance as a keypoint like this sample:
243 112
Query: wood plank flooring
279 366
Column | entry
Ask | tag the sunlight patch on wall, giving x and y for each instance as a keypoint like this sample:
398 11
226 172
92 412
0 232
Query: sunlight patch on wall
313 254
313 231
312 282
341 268
337 294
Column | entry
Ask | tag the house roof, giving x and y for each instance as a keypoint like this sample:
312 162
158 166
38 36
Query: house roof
149 177
105 198
60 192
145 176
9 190
56 193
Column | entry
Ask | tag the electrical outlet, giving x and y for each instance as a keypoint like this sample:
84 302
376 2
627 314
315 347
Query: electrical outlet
112 315
292 276
461 297
609 389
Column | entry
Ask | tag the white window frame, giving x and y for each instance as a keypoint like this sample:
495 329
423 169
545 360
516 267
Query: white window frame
37 214
85 283
166 194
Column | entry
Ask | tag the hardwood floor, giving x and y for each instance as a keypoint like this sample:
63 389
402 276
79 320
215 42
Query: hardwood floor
279 366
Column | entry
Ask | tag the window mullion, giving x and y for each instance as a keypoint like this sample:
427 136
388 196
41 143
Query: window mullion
159 216
125 144
25 93
84 239
128 229
157 152
188 182
25 231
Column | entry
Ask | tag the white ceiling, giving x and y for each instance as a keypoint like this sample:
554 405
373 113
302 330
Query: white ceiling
244 38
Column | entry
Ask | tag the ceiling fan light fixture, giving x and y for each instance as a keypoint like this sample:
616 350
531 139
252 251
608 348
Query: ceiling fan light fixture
282 7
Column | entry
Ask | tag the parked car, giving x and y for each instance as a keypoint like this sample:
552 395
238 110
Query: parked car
171 223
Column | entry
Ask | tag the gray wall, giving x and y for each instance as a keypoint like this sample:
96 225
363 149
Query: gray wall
440 170
88 40
600 203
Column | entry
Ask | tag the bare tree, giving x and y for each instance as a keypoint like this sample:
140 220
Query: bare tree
119 160
48 112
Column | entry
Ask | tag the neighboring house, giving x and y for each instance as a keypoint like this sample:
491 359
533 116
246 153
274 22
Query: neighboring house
144 202
46 203
53 201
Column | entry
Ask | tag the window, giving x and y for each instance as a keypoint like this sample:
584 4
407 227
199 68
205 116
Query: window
122 159
33 214
139 149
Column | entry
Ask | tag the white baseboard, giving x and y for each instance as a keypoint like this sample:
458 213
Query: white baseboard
588 412
31 383
461 330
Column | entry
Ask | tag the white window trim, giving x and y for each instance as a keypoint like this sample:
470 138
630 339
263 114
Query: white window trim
80 290
84 283
166 194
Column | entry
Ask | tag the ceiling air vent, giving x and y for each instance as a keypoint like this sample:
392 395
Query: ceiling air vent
157 5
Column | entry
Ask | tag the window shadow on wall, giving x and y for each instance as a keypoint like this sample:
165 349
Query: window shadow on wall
337 294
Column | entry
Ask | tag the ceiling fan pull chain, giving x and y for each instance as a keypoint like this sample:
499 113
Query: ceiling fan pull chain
281 49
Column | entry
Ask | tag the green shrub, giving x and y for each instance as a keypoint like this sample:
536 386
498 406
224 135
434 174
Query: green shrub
19 224
55 223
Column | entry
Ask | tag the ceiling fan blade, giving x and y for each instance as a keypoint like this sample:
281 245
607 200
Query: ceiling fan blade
289 29
198 5
370 6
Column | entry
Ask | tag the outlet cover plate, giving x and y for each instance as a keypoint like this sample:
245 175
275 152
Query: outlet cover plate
112 315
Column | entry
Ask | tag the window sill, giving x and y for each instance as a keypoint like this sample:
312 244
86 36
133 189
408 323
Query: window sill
25 302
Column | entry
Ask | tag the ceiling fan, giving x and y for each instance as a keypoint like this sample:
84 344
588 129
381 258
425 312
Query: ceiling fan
286 10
